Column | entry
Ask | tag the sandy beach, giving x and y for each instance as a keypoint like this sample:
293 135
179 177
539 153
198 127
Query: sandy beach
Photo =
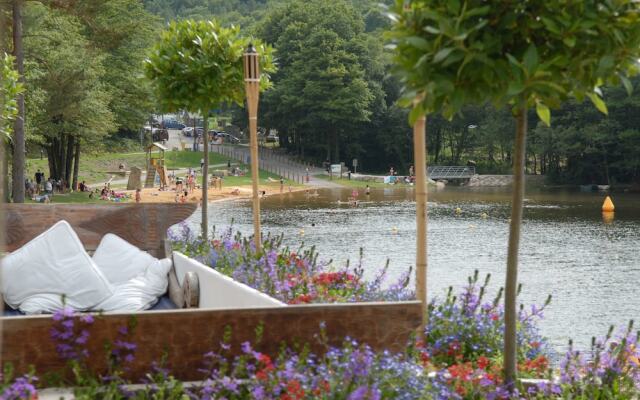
155 195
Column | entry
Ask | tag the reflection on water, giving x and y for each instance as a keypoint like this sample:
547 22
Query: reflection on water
590 263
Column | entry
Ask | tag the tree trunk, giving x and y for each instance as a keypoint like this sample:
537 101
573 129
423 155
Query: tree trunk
205 175
62 157
51 160
18 127
4 172
420 162
511 284
76 166
436 149
69 158
329 147
337 143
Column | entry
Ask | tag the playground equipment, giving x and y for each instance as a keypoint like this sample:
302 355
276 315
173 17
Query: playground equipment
156 165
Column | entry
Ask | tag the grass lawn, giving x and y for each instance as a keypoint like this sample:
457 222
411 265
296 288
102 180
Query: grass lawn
357 183
98 168
78 197
246 180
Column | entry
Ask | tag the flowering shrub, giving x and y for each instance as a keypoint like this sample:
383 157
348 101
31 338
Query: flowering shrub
611 370
460 368
351 372
293 277
463 343
23 387
465 328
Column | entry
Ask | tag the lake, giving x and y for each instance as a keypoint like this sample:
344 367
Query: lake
589 265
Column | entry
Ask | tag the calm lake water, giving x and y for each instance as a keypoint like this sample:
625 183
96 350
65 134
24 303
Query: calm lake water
590 266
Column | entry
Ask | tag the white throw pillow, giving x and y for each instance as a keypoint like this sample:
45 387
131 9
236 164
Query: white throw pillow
141 292
52 264
119 260
42 303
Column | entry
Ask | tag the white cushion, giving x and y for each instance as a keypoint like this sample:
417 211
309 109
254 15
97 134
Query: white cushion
140 292
53 264
119 260
42 303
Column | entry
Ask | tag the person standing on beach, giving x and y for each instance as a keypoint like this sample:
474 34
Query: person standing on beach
281 185
138 196
39 178
367 190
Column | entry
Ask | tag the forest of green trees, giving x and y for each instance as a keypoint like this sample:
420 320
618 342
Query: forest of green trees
333 96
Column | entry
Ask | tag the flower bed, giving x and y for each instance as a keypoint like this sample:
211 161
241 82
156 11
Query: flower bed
291 276
459 357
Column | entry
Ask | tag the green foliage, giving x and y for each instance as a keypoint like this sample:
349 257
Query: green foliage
198 66
64 72
453 53
123 31
323 92
83 62
9 90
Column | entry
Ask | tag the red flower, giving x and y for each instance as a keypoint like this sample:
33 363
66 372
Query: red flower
323 387
303 298
424 357
461 371
294 391
483 362
267 366
539 364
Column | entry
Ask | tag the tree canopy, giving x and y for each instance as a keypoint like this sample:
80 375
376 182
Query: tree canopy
457 53
197 66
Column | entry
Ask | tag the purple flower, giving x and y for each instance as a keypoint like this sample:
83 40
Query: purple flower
365 393
22 388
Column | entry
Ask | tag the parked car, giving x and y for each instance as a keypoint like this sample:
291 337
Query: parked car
188 131
173 124
272 139
228 138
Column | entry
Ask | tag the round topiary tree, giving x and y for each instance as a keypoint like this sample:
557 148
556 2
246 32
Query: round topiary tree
197 66
532 53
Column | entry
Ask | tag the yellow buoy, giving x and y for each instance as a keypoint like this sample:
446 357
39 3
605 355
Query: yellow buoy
458 210
394 230
484 215
608 206
301 232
